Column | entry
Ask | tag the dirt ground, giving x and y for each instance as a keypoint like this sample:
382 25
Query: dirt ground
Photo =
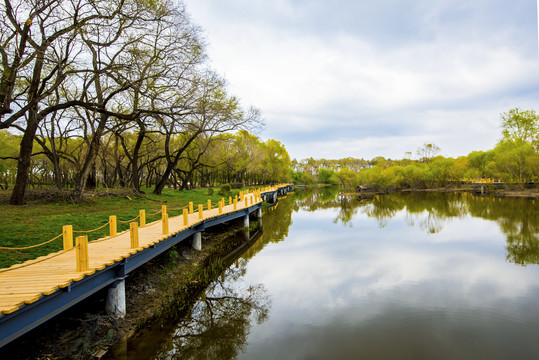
164 287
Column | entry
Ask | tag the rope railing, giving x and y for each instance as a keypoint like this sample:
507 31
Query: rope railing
128 221
91 231
31 246
155 213
177 209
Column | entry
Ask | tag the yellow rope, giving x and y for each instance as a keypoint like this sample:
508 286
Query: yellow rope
89 231
31 246
178 209
155 213
128 221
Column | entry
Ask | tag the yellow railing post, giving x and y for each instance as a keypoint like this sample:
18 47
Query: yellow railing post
190 207
81 254
112 226
221 207
142 215
209 204
68 236
230 200
200 211
163 209
185 218
246 201
235 204
164 222
133 234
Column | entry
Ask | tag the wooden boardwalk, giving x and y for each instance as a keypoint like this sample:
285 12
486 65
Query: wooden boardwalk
26 283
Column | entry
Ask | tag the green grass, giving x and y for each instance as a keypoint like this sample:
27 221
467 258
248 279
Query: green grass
37 222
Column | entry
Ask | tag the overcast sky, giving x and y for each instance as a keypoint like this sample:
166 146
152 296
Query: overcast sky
367 78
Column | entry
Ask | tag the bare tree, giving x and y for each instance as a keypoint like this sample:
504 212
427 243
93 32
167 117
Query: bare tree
36 59
427 152
213 112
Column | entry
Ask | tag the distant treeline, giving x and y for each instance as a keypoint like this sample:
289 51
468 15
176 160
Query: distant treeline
515 159
207 161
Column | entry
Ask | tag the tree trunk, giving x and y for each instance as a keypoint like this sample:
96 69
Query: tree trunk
90 156
171 163
135 181
27 142
163 181
25 158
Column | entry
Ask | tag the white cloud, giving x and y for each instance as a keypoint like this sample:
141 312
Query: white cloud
436 81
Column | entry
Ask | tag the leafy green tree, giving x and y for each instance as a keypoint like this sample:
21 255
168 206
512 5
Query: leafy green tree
8 157
439 170
520 125
277 161
414 175
327 176
459 168
477 163
301 177
346 177
514 161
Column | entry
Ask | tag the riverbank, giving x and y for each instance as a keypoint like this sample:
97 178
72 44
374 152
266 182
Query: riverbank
160 291
516 193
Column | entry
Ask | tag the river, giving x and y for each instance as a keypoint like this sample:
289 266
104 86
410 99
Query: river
399 276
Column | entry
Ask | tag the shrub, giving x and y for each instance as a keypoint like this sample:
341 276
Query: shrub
236 185
224 189
210 191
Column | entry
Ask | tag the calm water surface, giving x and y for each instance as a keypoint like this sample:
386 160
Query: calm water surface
401 276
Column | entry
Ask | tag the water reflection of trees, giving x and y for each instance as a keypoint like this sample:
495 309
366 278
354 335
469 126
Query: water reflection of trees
517 218
429 210
519 221
313 199
219 323
277 220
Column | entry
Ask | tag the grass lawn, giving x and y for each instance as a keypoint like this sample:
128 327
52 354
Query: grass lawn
37 222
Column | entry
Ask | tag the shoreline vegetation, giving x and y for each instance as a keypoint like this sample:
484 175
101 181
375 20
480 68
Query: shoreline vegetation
531 193
513 161
515 191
